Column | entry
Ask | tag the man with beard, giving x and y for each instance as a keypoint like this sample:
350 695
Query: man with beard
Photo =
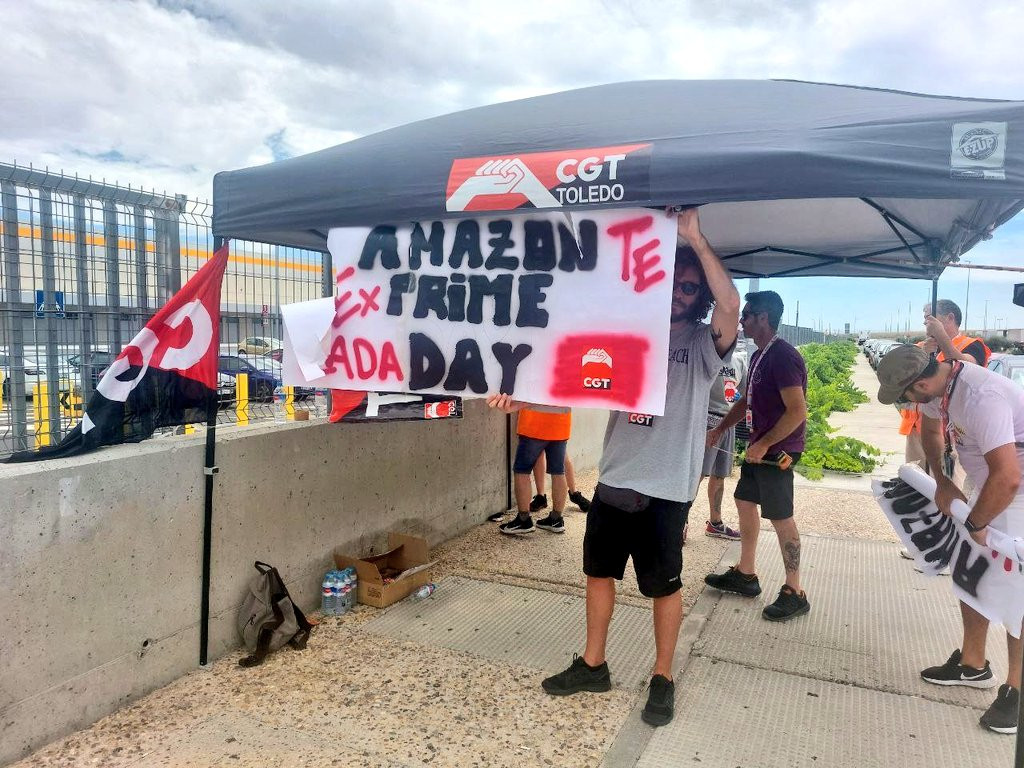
980 414
649 472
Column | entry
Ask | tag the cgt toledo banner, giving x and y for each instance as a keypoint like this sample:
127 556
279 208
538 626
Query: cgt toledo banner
556 308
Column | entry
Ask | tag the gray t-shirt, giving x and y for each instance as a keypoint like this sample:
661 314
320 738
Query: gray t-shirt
661 455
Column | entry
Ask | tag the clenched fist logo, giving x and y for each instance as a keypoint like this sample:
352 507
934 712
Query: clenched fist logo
503 176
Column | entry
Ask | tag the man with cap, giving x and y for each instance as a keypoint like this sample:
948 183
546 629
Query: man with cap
981 415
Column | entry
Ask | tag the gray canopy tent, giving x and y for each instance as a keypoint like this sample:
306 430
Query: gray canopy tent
794 178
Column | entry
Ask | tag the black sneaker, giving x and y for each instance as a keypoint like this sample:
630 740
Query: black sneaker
955 673
788 605
1002 716
580 676
660 701
553 524
496 517
538 503
734 580
517 526
580 501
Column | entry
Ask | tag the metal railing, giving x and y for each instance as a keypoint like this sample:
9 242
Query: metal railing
84 265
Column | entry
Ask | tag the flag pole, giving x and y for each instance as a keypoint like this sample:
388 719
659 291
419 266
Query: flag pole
209 470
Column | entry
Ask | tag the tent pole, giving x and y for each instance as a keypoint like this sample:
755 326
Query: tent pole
209 470
1018 760
508 461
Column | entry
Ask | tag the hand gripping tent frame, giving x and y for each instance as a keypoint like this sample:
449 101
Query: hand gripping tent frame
794 178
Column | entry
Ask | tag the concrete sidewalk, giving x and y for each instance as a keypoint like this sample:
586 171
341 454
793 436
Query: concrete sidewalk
454 680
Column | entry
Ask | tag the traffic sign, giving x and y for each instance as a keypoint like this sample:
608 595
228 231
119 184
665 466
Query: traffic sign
54 308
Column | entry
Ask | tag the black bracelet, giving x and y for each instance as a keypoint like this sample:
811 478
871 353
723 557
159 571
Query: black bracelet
972 527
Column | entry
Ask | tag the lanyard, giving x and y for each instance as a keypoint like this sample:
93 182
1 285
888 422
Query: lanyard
947 425
753 369
749 416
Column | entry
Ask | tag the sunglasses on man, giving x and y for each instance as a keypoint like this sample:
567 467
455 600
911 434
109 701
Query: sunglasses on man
688 287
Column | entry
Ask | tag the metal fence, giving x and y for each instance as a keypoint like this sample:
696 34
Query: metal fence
798 334
84 265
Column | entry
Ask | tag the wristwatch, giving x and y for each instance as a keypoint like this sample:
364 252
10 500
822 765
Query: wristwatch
972 527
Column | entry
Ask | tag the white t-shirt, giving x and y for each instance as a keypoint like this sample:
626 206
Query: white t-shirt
986 411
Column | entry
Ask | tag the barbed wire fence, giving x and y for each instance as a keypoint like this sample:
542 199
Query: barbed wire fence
85 264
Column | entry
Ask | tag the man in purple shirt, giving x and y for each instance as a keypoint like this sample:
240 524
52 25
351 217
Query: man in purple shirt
775 407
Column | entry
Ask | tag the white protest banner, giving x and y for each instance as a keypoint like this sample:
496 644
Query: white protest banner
550 308
987 579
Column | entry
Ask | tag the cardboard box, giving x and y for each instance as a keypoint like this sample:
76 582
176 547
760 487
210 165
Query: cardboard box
407 561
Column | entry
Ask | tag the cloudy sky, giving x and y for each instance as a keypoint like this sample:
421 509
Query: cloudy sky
164 93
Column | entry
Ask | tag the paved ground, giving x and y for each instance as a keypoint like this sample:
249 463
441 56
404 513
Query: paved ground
453 680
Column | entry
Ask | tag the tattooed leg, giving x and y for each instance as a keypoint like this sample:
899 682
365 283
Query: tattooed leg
789 543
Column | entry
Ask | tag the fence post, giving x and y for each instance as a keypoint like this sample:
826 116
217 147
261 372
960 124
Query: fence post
141 273
50 321
85 316
111 244
15 332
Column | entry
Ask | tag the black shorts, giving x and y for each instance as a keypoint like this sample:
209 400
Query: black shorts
768 486
653 537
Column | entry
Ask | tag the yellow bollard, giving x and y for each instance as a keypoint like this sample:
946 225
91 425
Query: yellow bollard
242 399
289 403
190 429
41 411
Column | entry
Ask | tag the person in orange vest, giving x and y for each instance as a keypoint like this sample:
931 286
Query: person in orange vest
945 342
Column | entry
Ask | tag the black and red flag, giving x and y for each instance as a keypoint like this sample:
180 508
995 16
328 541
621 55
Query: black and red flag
164 377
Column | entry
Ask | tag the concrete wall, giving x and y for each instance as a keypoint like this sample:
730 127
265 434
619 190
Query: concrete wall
588 427
100 556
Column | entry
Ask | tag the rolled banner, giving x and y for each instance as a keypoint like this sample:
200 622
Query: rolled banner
997 541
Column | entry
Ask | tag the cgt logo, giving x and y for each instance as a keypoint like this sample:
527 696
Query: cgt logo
550 179
597 369
442 410
640 419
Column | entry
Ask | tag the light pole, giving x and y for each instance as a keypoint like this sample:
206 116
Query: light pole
984 330
967 301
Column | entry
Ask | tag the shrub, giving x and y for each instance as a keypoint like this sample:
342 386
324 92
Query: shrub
829 388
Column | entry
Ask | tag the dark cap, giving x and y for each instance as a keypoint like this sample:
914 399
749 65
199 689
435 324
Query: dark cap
900 368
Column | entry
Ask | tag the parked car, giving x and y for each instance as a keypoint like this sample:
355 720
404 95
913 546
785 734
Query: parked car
99 361
1010 366
225 390
264 376
35 371
258 345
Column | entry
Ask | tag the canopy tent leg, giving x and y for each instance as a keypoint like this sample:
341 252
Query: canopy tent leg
1018 760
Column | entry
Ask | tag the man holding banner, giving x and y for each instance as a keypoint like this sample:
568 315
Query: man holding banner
979 414
649 473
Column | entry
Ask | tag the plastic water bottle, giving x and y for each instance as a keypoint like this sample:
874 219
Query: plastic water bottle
355 587
327 597
336 594
424 592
